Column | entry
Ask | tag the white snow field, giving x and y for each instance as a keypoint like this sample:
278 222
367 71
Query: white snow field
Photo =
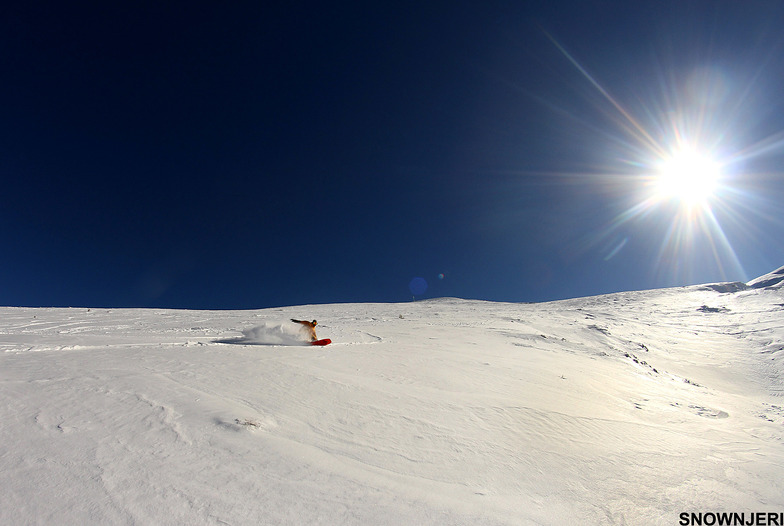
628 408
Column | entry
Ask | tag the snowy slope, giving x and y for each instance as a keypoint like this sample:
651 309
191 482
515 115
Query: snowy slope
628 408
771 280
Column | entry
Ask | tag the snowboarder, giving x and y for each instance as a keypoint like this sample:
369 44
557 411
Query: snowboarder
310 326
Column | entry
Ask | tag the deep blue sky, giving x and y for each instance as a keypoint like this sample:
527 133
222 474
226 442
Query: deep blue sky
256 154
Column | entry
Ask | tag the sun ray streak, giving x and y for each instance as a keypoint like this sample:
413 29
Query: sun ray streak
640 130
773 144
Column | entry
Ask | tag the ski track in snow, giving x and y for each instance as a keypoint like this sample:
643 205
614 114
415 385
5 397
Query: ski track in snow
620 409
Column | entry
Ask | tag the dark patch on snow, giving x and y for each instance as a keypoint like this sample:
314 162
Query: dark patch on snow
771 279
705 308
767 283
603 330
734 286
707 412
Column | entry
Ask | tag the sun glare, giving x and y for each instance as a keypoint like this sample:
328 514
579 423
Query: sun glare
680 162
687 176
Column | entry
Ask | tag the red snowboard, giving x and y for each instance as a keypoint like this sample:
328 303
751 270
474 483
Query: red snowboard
325 341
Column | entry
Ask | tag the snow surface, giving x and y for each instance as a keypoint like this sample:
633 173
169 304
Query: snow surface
772 279
628 408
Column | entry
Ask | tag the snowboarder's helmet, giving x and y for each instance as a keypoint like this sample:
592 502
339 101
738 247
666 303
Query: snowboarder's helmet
315 323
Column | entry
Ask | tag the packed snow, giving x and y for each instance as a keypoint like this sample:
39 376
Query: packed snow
628 408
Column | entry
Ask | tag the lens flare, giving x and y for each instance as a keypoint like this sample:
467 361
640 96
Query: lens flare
678 169
417 286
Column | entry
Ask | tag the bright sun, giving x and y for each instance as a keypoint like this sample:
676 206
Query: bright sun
687 176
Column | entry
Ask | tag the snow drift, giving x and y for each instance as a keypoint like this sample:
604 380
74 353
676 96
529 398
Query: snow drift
629 408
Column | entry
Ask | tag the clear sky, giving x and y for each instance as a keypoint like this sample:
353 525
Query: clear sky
257 154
